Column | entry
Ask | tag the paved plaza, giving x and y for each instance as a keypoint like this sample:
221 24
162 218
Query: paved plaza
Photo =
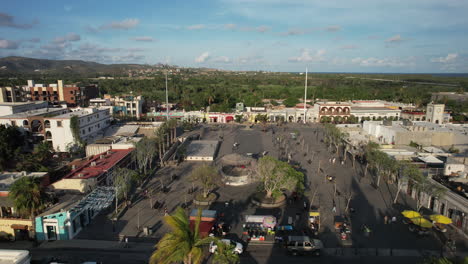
370 204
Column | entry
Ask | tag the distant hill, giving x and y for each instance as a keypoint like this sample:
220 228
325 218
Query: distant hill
22 65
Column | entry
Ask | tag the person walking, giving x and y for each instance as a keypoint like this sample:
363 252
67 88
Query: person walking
385 219
334 206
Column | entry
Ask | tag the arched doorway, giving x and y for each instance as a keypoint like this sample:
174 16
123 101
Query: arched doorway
291 118
229 119
48 135
47 124
25 123
36 126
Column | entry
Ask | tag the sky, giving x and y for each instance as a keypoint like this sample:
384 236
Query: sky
407 36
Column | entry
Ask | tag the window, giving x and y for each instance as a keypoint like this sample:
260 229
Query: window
71 92
13 123
97 115
72 98
83 131
98 125
59 123
133 105
89 129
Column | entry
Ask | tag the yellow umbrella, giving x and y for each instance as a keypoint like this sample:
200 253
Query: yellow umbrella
441 219
410 214
422 222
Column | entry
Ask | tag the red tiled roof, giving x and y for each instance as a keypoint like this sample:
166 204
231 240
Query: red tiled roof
102 165
414 113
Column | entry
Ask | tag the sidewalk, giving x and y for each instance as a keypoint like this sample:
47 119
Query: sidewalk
96 245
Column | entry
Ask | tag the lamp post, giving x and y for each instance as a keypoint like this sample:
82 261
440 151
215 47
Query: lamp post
305 97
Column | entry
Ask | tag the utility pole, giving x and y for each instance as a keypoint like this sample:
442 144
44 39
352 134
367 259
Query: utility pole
305 98
167 99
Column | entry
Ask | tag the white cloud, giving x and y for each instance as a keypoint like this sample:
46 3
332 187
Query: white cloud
451 57
307 57
383 62
333 28
230 26
395 39
8 44
124 24
294 32
196 27
262 29
8 21
203 57
66 38
144 39
222 59
349 47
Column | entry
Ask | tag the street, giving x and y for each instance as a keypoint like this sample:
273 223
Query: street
370 204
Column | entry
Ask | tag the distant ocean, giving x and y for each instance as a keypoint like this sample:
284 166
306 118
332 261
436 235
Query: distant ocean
395 73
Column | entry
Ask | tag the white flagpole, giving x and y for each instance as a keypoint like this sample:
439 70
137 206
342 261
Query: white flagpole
305 98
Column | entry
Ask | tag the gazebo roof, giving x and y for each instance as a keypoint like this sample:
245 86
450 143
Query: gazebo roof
235 159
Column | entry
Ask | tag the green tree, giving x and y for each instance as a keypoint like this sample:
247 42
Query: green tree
10 145
43 151
182 244
28 196
225 254
263 119
408 172
275 176
435 260
123 181
207 177
144 154
291 101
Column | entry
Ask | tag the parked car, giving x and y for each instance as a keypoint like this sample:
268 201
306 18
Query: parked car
303 245
238 247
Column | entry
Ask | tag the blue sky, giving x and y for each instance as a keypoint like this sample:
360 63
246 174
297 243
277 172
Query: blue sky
276 35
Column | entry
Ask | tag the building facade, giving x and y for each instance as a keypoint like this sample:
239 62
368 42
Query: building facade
91 123
435 113
65 222
95 171
58 92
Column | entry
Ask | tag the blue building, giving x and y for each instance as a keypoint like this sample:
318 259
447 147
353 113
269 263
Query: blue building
67 219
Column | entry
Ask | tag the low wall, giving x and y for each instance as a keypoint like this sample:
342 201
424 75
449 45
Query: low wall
5 225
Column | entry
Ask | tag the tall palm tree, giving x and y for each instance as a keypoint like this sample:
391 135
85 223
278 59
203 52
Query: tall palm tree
28 196
182 244
225 254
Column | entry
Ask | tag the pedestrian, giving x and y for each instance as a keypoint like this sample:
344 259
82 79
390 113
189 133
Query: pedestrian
333 161
165 211
394 219
385 219
126 242
305 206
334 206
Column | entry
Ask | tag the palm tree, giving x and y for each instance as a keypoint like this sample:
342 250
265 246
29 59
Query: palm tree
225 254
182 244
28 196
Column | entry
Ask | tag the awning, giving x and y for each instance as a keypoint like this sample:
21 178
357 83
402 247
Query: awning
21 227
431 159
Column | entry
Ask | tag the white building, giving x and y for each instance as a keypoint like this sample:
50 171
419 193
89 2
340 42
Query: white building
127 105
373 110
435 113
9 108
91 121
